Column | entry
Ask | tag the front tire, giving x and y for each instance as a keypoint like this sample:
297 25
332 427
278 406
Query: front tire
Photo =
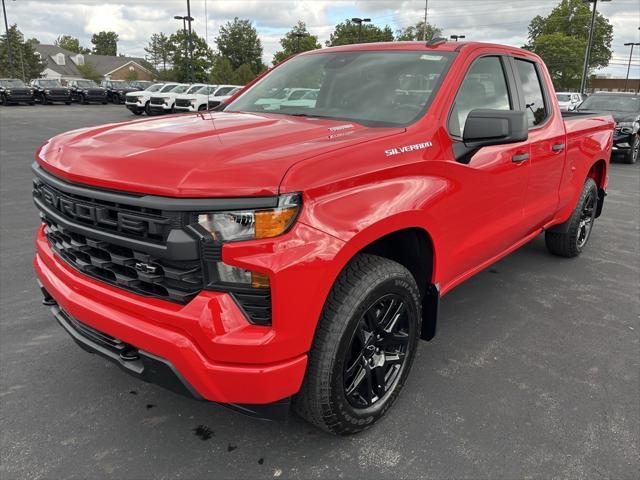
632 155
571 243
364 346
147 108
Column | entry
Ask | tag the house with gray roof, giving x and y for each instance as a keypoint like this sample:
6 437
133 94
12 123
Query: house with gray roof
63 65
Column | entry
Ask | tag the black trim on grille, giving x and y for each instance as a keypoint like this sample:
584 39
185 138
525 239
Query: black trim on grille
128 269
181 102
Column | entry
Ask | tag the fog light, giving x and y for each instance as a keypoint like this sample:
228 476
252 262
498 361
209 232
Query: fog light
230 274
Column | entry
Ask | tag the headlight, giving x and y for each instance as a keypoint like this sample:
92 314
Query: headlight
85 91
250 225
47 91
628 127
8 90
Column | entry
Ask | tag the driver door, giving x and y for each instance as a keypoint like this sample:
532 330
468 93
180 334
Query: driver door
485 210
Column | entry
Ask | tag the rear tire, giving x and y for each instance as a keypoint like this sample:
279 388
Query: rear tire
580 225
357 366
632 155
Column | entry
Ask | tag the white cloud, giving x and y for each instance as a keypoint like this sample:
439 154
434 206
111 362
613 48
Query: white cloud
501 21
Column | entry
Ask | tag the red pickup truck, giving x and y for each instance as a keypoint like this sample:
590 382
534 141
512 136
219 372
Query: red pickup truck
292 252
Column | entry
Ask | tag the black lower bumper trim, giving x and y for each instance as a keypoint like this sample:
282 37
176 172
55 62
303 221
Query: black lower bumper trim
151 368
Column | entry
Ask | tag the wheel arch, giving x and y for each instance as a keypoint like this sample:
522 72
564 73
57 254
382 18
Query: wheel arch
598 172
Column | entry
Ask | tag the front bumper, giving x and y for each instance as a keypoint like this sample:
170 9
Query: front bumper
190 108
622 142
164 108
57 98
208 341
134 107
20 98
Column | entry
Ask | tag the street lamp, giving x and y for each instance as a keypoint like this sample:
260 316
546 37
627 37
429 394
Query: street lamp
585 68
360 21
629 66
456 37
189 51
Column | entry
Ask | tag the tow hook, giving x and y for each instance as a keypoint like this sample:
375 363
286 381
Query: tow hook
129 354
46 298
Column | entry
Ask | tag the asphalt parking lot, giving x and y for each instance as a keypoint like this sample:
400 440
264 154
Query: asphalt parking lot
535 372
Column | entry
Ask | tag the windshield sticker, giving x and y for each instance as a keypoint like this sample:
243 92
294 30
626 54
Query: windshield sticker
407 148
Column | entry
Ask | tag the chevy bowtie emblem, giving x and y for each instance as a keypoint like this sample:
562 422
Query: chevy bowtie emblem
146 268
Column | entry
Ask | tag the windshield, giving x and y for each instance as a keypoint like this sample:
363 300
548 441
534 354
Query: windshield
168 88
563 97
50 83
86 84
194 89
206 90
154 87
612 103
179 89
13 83
121 84
370 87
224 91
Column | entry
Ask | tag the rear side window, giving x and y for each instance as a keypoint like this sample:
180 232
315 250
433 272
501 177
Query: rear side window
532 91
485 86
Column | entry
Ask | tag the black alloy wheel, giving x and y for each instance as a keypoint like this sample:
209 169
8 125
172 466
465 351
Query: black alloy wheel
587 216
377 352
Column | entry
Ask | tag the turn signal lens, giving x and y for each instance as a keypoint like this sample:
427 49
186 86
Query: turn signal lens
271 223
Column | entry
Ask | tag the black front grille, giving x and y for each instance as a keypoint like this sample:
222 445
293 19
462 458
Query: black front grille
138 272
96 93
181 102
144 223
157 101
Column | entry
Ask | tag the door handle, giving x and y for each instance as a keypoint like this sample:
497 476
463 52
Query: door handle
558 147
520 158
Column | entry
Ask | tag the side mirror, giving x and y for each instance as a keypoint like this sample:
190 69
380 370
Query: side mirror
486 127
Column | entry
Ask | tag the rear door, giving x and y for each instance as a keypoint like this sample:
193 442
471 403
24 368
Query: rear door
546 141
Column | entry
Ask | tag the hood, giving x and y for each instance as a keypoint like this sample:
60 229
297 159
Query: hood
184 96
617 116
137 93
215 154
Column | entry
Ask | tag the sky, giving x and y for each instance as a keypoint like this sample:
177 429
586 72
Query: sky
500 21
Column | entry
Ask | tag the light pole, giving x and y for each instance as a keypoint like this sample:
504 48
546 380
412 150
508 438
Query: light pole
187 45
629 66
360 21
6 28
424 27
456 37
585 68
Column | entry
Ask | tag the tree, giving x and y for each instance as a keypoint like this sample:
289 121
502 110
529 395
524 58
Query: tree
71 43
238 41
561 39
222 71
243 75
347 32
416 32
296 40
159 50
202 56
27 64
105 43
88 70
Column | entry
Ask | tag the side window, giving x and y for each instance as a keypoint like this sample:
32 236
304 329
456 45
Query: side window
485 86
532 91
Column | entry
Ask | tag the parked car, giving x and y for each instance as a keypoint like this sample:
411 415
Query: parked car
47 90
141 84
196 101
568 101
625 109
165 102
262 258
301 99
86 91
281 95
14 90
138 102
221 95
117 90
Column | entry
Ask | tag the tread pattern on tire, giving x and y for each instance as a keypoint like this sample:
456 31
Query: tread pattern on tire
314 401
564 244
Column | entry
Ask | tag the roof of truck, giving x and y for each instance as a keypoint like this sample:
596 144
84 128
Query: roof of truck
444 46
